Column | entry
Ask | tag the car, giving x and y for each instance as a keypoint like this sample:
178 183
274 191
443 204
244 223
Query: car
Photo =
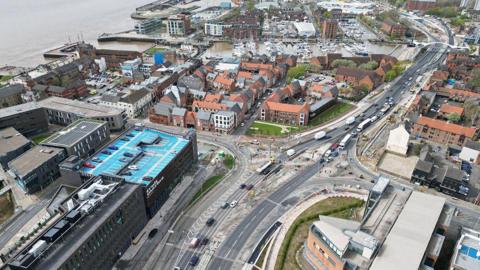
152 233
354 133
204 241
147 178
193 260
127 173
334 146
113 147
249 187
233 204
133 167
127 154
130 135
96 159
106 152
88 165
125 139
177 268
225 205
122 159
335 154
210 221
242 186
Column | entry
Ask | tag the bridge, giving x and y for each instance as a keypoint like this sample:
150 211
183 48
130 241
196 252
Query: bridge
451 46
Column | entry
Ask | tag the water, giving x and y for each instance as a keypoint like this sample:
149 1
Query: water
30 27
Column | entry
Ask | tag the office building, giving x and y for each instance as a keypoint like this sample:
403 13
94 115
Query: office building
224 122
178 25
11 95
36 168
335 243
64 111
12 145
329 29
214 29
96 225
148 26
417 236
147 157
27 118
81 138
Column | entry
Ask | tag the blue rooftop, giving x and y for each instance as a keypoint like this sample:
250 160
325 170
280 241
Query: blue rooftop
138 155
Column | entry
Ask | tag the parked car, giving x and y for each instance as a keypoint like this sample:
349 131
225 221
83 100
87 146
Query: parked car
249 187
242 186
233 204
106 152
204 241
127 154
225 205
194 260
210 221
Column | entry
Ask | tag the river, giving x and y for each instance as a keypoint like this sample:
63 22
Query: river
31 27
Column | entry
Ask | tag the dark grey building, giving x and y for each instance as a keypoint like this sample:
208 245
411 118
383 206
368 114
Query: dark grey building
12 145
97 224
37 168
27 118
11 95
82 138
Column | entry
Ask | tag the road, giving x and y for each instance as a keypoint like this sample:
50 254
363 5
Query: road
229 251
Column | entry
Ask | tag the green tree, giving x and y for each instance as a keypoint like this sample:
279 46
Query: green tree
390 75
250 5
370 65
454 117
475 77
296 72
343 63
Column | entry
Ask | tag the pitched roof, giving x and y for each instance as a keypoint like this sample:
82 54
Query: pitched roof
224 80
213 97
447 108
204 115
284 107
447 127
209 105
245 74
355 72
177 111
11 90
163 109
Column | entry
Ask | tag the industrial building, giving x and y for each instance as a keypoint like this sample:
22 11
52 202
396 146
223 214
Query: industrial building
12 145
36 168
64 111
147 157
96 224
27 118
82 138
417 236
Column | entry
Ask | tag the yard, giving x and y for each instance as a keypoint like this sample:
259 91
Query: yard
340 207
334 112
39 138
270 129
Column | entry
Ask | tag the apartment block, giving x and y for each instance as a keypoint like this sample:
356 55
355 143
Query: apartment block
443 132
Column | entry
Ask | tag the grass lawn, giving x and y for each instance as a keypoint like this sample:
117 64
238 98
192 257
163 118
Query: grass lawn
265 128
152 51
334 112
4 78
39 138
6 207
207 185
337 207
229 161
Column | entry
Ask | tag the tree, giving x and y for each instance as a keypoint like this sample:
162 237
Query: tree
475 77
343 63
454 117
296 72
390 75
369 66
472 111
250 5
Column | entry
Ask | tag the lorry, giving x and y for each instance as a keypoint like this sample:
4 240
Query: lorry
350 120
344 141
320 135
364 124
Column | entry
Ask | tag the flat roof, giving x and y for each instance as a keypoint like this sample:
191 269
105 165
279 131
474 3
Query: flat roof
73 133
33 158
467 250
381 184
409 238
78 107
11 140
151 151
13 110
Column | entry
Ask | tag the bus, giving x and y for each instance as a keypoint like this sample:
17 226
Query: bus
364 124
344 141
264 169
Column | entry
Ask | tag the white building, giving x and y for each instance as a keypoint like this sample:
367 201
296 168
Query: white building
398 141
470 152
224 121
129 66
178 25
465 255
134 103
214 29
305 29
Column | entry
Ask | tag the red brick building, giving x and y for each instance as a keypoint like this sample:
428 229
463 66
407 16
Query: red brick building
443 132
394 29
357 77
421 4
329 29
